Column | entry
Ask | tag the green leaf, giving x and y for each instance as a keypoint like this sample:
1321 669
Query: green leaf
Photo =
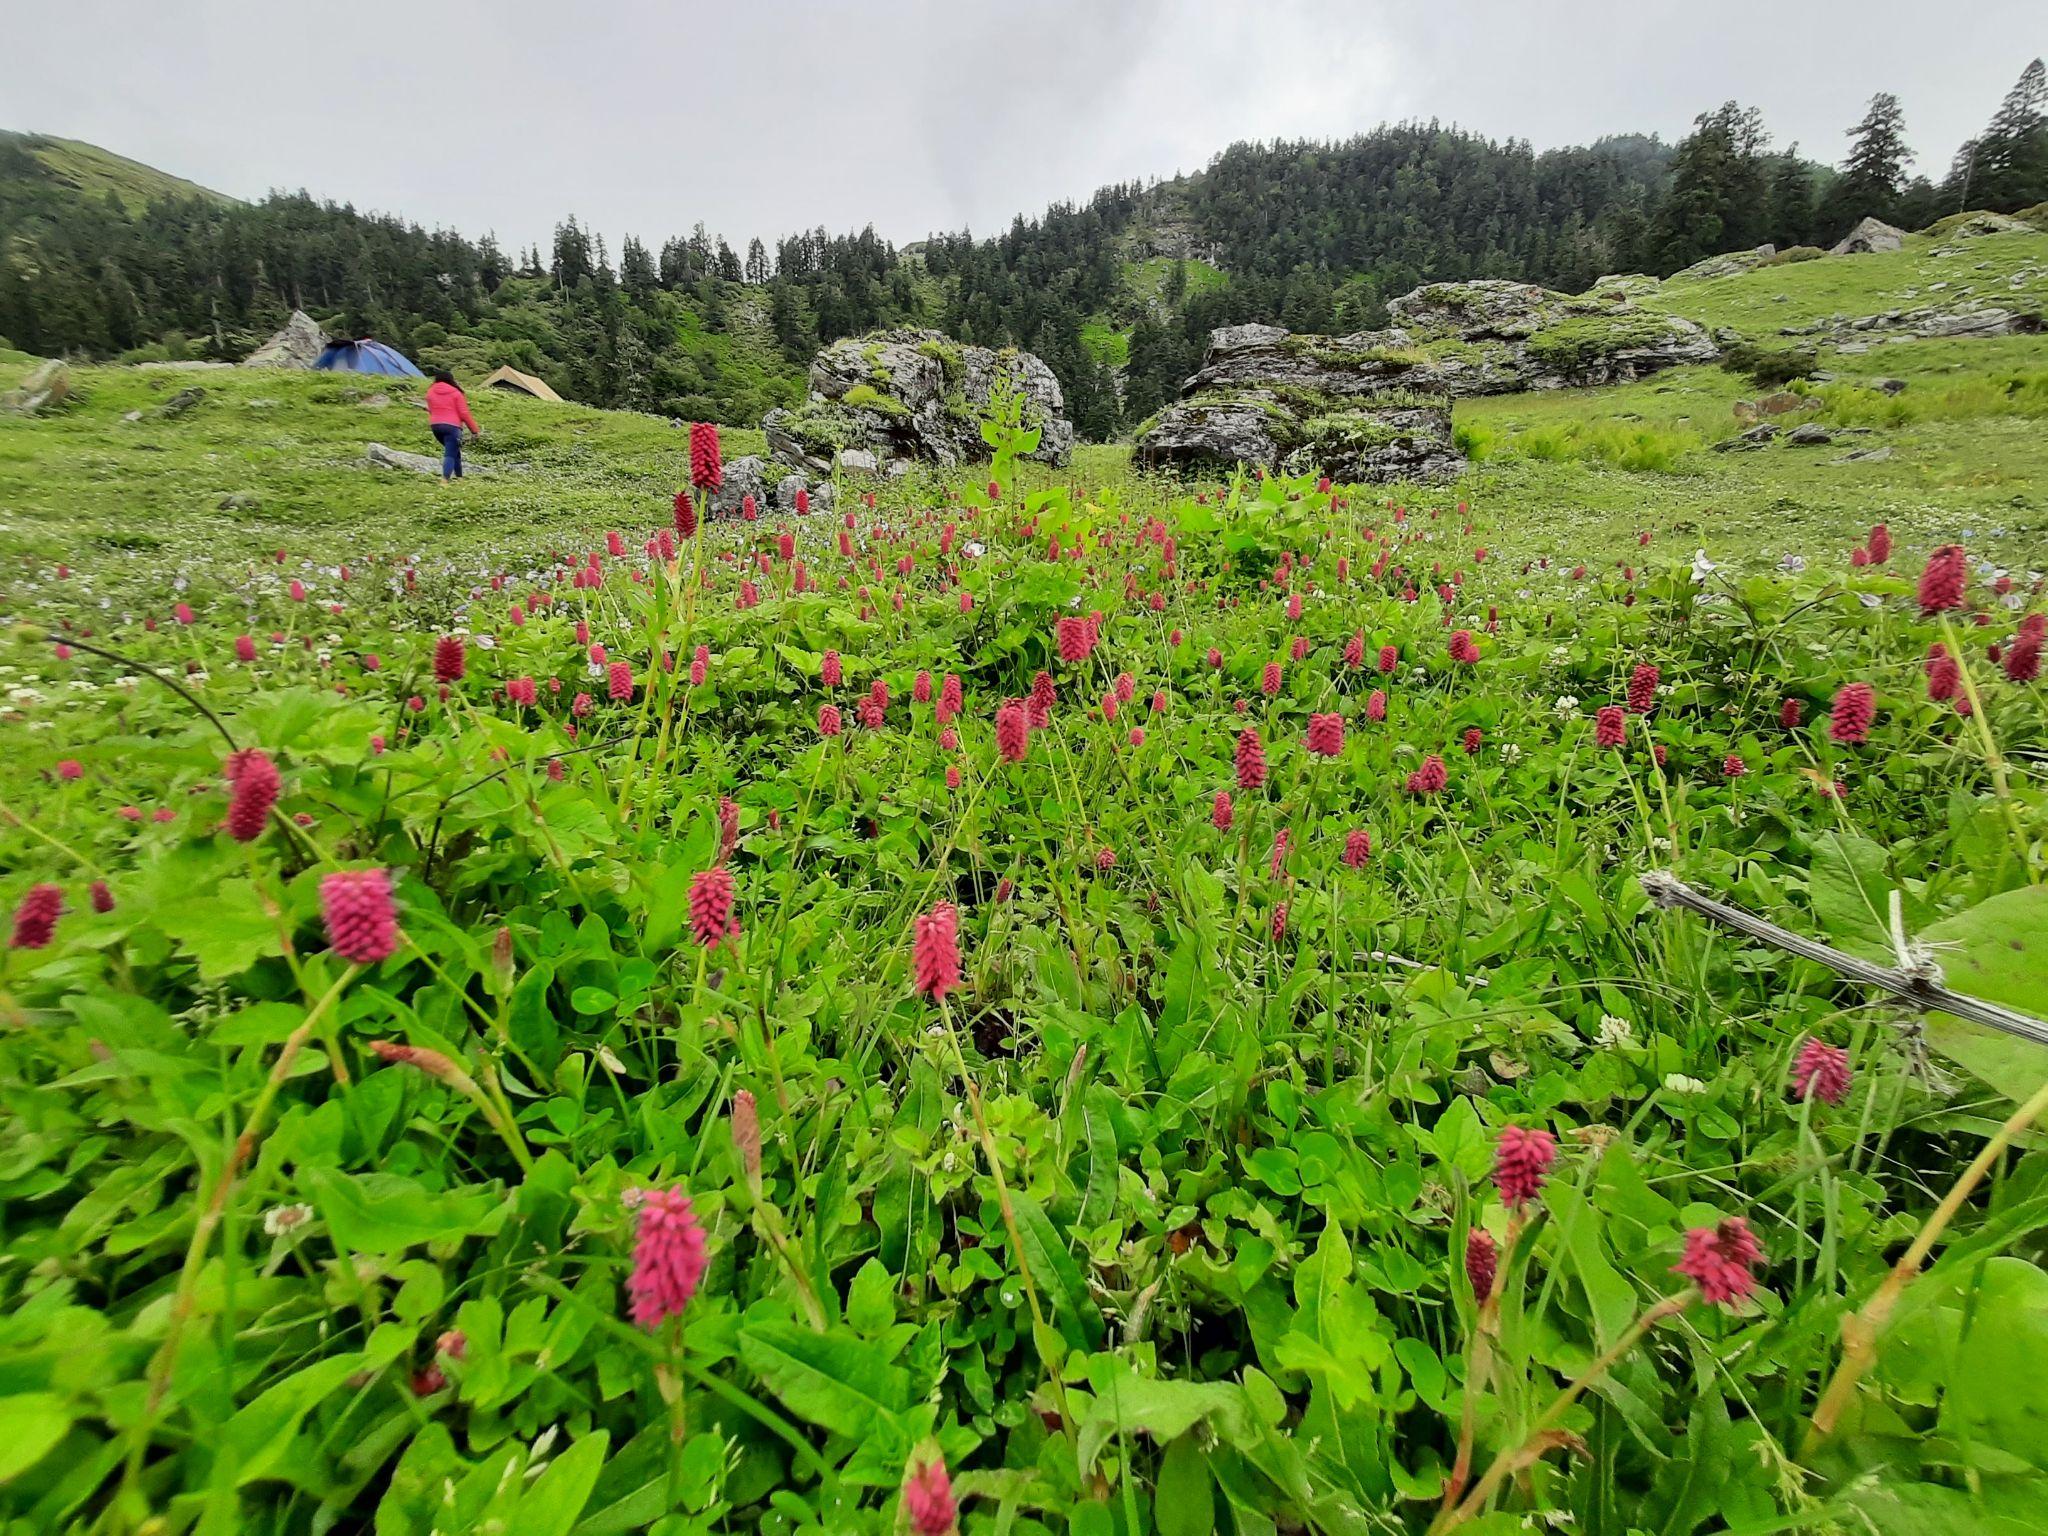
871 1300
1996 950
840 1383
1057 1275
1848 885
31 1423
226 933
554 1502
384 1213
1183 1503
1126 1402
1098 1194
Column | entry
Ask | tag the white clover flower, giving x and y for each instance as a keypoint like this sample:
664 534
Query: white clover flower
1678 1082
1567 704
1510 752
1614 1033
1702 567
280 1219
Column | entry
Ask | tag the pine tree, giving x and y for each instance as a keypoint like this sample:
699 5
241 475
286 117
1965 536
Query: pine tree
1874 175
1791 201
2012 154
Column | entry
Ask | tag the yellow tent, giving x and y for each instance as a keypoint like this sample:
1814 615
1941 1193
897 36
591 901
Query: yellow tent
525 383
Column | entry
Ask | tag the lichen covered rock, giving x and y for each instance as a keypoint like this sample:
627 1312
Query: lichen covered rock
1376 405
909 396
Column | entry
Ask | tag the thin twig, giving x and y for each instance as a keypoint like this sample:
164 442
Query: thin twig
1920 986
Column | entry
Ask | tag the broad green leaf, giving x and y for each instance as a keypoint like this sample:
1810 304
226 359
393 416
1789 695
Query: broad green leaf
226 932
31 1423
840 1383
384 1213
1126 1402
1057 1275
1183 1502
871 1300
1997 950
551 1506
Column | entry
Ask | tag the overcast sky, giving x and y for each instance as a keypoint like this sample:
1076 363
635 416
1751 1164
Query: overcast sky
765 116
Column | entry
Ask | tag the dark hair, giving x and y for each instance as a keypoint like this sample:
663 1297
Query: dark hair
443 376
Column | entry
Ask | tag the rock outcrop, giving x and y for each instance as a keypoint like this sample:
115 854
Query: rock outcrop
1870 234
904 397
297 344
1376 405
384 457
47 385
771 485
1970 318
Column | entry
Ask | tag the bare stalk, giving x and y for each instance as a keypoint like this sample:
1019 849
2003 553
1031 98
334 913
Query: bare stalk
1860 1329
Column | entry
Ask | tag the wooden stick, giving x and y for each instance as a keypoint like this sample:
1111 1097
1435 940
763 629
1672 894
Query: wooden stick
1921 985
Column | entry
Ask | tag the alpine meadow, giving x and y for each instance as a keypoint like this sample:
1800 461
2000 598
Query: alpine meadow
1353 844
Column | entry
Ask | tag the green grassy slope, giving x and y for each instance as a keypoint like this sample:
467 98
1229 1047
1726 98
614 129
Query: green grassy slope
94 172
85 481
2008 270
1963 453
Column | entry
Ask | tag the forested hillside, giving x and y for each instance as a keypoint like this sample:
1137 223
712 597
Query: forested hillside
1117 294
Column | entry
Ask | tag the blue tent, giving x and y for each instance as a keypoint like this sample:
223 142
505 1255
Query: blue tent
367 356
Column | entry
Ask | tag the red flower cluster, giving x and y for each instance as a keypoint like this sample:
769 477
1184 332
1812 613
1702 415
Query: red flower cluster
1642 689
1720 1259
362 924
1013 731
1521 1160
35 917
668 1256
1944 580
1820 1071
707 473
1430 777
1357 848
1251 761
254 786
451 659
928 1501
1463 650
1326 734
935 950
1482 1262
1944 677
1855 707
711 901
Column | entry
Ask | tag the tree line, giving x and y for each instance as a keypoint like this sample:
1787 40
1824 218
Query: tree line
1316 236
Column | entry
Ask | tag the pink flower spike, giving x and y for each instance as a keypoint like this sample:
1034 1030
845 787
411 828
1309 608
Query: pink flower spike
668 1257
1720 1260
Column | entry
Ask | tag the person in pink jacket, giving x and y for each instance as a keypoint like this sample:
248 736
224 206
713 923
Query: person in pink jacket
448 414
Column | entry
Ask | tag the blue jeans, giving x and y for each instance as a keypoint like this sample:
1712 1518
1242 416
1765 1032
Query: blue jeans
451 449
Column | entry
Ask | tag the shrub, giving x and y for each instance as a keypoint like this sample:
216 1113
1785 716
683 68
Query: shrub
1769 367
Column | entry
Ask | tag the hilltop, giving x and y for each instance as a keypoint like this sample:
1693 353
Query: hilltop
36 163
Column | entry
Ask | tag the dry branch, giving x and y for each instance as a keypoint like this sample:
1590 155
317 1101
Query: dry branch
1919 984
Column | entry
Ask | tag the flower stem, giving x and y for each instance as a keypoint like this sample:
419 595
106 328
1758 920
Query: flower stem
1860 1330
